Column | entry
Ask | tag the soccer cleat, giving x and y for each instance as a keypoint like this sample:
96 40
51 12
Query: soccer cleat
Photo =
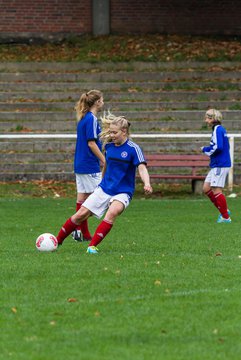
77 235
222 220
92 250
220 215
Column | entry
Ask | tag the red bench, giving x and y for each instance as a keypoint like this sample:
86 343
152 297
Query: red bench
185 167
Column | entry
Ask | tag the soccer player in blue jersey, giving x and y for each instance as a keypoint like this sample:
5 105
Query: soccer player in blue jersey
220 163
116 189
88 154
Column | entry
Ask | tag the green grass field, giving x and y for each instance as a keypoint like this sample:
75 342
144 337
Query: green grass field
166 284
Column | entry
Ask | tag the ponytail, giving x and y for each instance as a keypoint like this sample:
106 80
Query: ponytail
86 101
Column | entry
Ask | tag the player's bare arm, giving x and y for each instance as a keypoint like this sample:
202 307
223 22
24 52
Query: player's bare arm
145 178
96 151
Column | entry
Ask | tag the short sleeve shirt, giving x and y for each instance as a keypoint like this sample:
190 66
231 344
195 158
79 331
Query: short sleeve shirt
121 164
85 162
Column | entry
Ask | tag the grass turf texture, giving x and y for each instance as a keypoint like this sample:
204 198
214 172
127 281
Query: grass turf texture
166 284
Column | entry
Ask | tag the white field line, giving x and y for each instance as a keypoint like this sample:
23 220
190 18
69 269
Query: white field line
169 294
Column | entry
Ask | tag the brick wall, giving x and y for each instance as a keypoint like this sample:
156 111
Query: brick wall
45 16
177 16
192 17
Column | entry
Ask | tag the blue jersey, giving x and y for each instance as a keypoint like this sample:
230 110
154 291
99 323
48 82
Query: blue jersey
121 164
219 148
85 162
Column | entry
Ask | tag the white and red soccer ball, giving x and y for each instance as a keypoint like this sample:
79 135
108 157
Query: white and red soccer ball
46 242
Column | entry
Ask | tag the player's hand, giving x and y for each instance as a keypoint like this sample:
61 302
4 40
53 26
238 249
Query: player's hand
201 148
148 189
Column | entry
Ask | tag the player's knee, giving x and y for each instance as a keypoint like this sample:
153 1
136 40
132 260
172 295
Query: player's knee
114 211
206 188
81 215
112 214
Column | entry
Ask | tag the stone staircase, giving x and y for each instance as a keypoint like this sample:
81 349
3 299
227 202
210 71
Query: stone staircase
155 97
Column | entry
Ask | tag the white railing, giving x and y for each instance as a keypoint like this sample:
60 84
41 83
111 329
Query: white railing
140 136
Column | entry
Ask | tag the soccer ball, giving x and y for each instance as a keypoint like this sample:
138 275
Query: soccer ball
46 242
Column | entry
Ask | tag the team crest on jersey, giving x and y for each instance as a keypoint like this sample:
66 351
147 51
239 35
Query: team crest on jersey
124 154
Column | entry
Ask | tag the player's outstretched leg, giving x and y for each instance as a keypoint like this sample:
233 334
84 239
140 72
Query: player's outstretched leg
100 233
81 233
222 206
68 227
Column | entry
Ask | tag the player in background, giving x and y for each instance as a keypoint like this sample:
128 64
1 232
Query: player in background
220 162
116 189
88 154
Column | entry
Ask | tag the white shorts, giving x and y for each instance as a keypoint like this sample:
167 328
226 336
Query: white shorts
87 183
217 177
98 202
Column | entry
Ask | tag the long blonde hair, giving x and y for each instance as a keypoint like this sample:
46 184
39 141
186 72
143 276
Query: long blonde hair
108 119
86 101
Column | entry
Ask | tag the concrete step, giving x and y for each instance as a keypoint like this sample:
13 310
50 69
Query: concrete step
51 150
58 172
122 76
32 176
16 153
136 86
52 159
48 66
138 114
122 96
37 167
121 106
155 97
142 127
16 158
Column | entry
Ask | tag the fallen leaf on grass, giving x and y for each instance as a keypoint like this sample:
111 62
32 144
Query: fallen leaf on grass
72 300
221 340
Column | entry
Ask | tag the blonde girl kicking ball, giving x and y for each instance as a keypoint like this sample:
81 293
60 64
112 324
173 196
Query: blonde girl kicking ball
117 186
220 162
